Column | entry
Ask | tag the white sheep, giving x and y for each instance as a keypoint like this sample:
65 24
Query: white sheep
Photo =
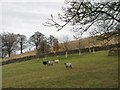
68 65
56 61
50 62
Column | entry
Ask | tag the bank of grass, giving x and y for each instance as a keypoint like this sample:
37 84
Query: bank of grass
90 70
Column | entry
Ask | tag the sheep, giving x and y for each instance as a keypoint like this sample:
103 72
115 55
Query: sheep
50 62
68 65
56 61
45 62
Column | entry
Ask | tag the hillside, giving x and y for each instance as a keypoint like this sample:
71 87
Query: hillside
95 70
88 43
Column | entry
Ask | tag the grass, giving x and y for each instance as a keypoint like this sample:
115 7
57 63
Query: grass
94 70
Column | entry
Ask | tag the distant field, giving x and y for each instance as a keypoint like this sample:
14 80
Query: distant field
94 70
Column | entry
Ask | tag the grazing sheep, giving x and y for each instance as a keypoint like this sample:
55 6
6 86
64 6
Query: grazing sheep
68 65
56 61
45 62
50 62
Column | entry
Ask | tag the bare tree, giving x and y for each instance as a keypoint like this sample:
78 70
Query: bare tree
93 40
9 42
85 14
51 40
22 40
65 45
78 36
43 48
36 39
3 51
56 45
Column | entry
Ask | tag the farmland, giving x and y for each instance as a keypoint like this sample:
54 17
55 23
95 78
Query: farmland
90 70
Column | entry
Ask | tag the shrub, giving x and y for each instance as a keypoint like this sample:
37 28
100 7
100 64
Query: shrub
114 52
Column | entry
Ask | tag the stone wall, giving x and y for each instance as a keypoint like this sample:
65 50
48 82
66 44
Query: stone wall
83 50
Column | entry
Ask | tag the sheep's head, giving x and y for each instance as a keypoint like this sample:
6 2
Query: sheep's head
65 63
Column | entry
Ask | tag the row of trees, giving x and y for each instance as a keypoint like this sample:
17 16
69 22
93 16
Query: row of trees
10 43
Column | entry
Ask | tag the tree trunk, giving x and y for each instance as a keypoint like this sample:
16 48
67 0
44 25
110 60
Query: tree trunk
21 46
79 52
89 50
36 46
66 54
45 57
9 53
93 50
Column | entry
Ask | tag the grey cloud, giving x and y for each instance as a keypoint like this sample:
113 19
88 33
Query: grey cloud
27 17
27 11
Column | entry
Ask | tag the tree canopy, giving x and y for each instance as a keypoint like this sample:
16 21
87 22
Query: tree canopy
9 43
36 38
22 40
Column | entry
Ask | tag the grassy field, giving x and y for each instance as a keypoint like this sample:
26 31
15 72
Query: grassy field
94 70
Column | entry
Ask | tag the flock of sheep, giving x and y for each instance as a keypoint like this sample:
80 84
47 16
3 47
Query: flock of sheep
67 65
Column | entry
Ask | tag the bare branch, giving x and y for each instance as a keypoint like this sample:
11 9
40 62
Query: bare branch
85 14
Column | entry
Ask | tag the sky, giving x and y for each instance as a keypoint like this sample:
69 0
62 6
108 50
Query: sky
27 16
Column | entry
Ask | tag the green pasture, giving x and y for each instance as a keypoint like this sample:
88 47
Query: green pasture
90 70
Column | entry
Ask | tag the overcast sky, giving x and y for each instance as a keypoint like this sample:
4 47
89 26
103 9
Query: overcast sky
27 16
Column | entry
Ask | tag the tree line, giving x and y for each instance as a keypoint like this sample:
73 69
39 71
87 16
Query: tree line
11 42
